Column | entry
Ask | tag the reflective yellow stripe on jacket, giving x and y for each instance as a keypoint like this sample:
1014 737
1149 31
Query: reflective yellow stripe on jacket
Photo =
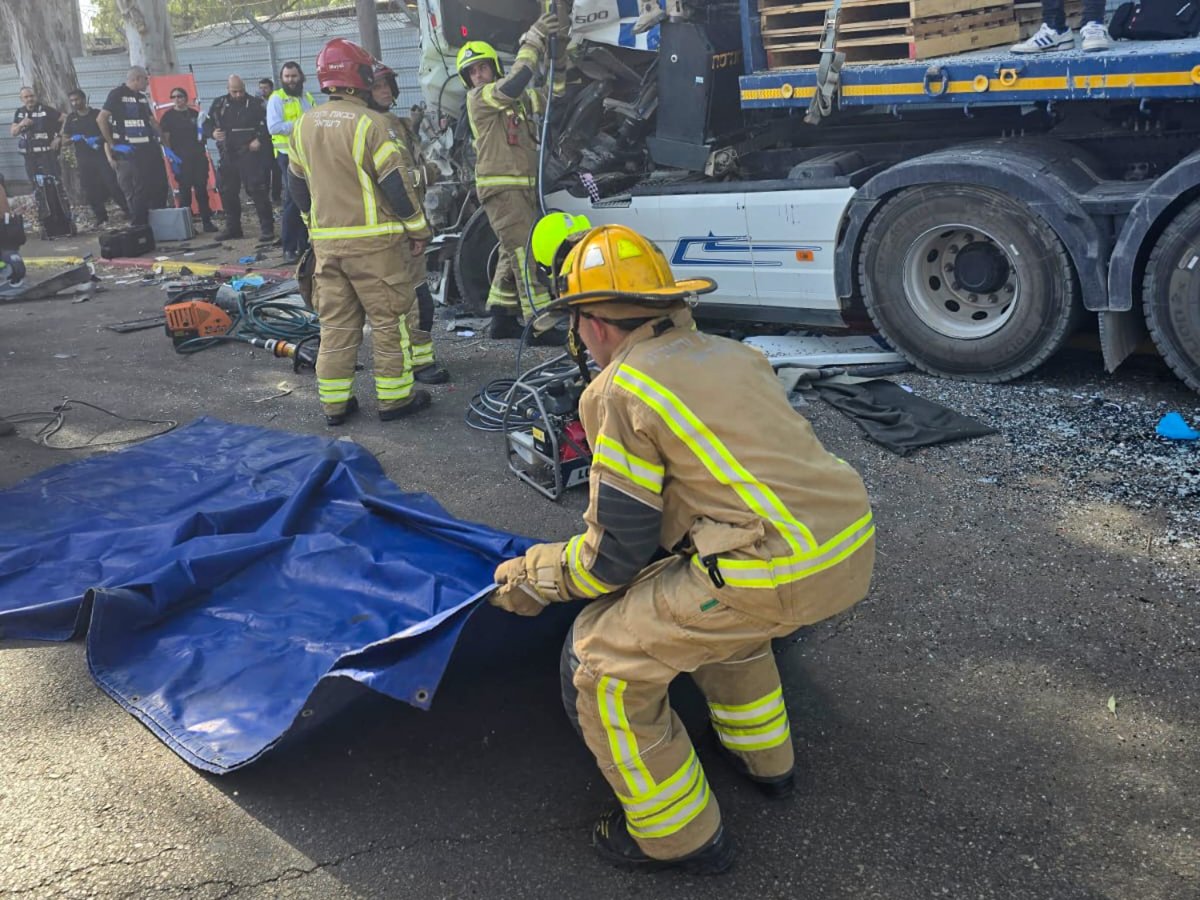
807 556
610 454
372 227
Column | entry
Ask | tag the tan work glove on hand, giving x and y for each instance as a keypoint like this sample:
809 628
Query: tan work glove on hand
529 583
514 592
539 33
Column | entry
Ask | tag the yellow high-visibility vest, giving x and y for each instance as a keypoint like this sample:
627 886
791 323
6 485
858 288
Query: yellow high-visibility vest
293 109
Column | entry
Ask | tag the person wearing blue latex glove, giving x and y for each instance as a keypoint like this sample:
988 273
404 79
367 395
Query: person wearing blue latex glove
132 139
184 149
95 174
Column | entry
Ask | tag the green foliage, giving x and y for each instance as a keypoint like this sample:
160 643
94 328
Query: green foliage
188 15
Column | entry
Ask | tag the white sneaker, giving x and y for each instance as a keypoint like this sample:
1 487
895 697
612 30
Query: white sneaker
1095 37
1045 40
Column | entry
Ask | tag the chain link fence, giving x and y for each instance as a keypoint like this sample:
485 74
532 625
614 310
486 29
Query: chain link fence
212 54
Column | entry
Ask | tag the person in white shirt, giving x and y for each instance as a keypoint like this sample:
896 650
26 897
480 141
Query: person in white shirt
284 108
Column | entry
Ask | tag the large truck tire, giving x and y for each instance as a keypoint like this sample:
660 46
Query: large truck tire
1171 295
475 262
967 283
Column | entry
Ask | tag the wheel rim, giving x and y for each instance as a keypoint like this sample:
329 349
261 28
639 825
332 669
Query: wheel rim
960 281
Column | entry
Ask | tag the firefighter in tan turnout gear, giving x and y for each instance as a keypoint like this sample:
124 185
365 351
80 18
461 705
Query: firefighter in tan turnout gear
696 451
502 109
384 91
349 177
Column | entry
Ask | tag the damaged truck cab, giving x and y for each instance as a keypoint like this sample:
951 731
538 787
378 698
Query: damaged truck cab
975 208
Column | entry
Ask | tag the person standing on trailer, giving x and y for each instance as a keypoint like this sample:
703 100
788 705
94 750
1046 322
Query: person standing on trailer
368 236
284 108
98 179
385 89
131 144
716 522
502 110
189 159
238 123
36 127
1056 35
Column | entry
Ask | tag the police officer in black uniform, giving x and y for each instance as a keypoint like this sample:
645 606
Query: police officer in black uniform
36 127
97 176
131 143
238 123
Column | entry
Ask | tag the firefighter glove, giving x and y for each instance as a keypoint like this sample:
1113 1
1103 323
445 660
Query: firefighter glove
539 32
510 570
518 597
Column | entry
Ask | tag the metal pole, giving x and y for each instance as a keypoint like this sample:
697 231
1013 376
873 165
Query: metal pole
368 27
266 36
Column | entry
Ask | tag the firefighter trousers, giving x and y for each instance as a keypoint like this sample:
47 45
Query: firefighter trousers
619 659
420 326
378 288
515 288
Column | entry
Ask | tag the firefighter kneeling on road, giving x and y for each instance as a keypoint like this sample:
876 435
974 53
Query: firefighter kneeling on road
368 232
502 117
695 450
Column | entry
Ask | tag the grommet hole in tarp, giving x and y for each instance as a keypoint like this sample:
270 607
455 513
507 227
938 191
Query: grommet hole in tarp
422 696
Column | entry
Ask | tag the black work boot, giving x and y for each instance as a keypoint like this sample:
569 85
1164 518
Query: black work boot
232 232
338 418
613 842
777 787
417 401
504 326
433 373
208 225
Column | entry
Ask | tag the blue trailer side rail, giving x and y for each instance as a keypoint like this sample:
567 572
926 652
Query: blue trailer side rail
1130 70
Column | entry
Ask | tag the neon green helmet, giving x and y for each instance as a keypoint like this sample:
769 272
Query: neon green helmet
471 53
551 231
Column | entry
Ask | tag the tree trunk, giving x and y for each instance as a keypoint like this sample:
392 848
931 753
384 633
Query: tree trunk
42 34
148 31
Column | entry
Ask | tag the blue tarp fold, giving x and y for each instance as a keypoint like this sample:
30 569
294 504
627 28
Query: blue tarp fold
221 571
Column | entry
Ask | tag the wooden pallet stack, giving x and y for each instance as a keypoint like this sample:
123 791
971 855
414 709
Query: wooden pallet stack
884 30
1029 15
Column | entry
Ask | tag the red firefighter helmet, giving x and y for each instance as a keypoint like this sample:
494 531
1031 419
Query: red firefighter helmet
385 73
345 65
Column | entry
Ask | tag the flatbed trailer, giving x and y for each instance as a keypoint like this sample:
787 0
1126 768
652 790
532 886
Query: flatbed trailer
1139 71
977 209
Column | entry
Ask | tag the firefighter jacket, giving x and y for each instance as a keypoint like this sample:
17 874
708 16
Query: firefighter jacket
502 116
345 152
696 450
424 172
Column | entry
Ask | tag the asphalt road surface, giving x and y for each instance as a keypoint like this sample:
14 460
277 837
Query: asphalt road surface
954 732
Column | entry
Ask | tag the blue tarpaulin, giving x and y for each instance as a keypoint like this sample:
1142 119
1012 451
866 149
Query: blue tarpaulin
221 571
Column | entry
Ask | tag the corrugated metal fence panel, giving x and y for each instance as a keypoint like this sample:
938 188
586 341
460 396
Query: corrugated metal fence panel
218 52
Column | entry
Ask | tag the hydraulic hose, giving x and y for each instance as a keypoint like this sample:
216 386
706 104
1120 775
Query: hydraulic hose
552 51
268 319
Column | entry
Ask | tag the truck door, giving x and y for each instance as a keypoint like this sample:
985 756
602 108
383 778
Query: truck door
791 237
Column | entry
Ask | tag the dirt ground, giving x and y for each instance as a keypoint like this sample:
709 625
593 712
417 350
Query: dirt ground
1012 713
